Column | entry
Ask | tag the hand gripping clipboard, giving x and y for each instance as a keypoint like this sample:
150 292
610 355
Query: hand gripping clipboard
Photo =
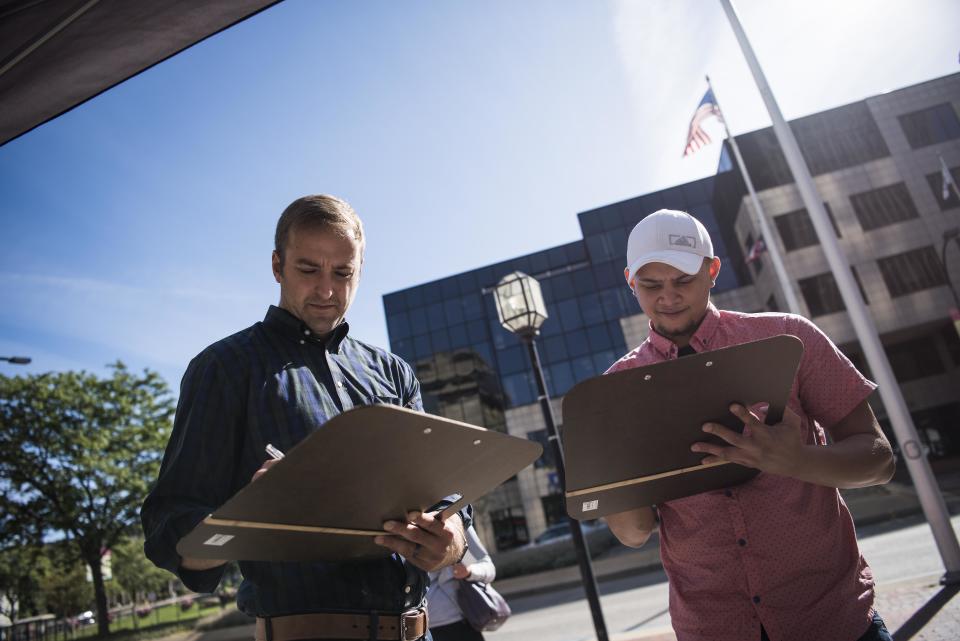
627 435
330 495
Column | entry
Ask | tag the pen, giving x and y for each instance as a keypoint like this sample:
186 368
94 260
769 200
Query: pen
273 452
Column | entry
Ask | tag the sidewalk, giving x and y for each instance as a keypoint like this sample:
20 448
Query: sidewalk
869 506
918 609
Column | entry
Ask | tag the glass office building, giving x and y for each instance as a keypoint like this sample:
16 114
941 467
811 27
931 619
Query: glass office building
449 330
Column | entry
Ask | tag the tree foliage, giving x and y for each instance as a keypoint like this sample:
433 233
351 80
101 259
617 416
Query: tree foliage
21 570
63 583
134 573
77 455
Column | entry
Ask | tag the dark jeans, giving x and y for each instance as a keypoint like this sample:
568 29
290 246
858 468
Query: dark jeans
459 631
876 632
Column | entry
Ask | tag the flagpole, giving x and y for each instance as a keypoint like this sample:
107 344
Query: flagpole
931 500
760 218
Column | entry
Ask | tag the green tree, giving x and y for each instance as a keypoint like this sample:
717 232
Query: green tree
20 575
77 455
20 568
65 588
134 573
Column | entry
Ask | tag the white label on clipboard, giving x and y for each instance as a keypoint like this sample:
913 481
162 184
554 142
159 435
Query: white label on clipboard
591 505
218 539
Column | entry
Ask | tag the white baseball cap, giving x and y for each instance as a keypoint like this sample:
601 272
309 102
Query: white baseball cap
669 236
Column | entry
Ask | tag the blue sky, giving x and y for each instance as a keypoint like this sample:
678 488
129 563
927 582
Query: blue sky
139 226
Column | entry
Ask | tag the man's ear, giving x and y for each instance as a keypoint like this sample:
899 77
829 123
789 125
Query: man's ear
626 276
714 270
277 266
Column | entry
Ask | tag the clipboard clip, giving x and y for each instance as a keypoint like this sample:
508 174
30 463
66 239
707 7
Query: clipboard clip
457 505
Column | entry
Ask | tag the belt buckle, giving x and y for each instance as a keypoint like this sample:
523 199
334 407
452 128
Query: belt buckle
412 615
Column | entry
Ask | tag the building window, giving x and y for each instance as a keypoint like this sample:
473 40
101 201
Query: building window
796 228
512 360
559 378
831 140
936 185
912 271
554 510
546 459
757 261
519 389
913 359
509 527
937 429
823 295
883 206
931 125
952 341
839 138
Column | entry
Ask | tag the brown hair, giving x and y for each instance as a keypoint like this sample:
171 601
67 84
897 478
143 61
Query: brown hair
322 211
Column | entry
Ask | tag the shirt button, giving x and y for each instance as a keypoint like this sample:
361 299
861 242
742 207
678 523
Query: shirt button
303 342
406 589
340 384
756 599
742 542
306 332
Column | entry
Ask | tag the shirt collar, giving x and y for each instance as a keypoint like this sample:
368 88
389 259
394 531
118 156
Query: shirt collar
700 341
295 329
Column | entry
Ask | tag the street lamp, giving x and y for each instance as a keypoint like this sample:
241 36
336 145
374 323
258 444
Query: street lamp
16 360
521 310
954 235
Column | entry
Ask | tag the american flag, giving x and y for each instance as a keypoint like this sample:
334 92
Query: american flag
697 137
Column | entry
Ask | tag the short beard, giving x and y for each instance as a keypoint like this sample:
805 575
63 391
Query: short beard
685 332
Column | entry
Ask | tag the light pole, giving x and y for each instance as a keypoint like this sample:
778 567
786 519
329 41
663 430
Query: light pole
954 235
16 360
522 311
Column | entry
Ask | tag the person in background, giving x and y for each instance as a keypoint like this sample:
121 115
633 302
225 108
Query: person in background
446 619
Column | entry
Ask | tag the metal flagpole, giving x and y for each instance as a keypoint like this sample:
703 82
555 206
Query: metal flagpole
931 500
760 218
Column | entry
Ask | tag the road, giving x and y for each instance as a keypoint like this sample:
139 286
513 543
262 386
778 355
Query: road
896 551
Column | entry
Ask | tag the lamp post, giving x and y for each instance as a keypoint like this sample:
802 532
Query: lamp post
16 360
954 235
521 310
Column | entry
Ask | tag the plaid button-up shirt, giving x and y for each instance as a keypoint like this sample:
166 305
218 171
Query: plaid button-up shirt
773 551
274 383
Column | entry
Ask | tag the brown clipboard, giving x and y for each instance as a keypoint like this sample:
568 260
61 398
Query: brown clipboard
627 435
330 495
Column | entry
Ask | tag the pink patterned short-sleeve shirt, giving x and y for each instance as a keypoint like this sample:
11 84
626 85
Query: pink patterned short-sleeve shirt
773 551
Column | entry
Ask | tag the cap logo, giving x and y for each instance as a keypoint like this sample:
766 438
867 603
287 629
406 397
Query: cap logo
683 241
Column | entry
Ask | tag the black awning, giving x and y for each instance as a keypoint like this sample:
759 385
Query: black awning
57 54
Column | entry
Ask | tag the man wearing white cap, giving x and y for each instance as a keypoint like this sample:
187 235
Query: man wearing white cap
775 558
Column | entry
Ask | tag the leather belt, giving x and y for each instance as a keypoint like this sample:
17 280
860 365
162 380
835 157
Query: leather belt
409 626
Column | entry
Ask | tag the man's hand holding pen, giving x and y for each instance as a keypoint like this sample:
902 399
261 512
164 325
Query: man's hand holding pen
275 457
